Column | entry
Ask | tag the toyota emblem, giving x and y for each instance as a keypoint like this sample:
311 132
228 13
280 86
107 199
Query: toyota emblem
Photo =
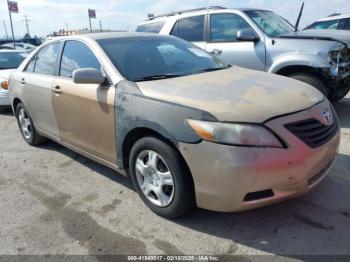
327 117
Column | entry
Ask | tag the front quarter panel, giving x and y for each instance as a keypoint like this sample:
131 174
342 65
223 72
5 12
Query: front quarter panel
134 110
290 52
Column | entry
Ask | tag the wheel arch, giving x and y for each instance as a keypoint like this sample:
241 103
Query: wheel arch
15 102
138 133
295 61
293 69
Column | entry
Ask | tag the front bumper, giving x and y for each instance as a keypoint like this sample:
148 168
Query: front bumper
4 97
225 175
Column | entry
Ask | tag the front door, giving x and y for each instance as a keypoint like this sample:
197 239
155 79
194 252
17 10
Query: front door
84 112
222 42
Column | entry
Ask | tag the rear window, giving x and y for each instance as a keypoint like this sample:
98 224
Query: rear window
11 60
151 27
190 29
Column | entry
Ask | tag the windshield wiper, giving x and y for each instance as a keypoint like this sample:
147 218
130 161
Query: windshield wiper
157 77
213 69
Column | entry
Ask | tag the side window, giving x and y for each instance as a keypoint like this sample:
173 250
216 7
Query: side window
347 24
224 27
77 55
31 65
45 62
151 27
341 24
190 29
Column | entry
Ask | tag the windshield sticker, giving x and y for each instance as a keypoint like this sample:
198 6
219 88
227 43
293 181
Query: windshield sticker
199 52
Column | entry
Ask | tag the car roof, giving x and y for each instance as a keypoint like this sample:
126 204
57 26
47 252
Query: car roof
163 17
109 35
334 17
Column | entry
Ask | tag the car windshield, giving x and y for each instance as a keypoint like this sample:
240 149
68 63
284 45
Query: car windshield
331 24
144 58
273 25
11 60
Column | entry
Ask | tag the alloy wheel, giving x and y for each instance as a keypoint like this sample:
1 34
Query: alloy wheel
154 178
25 123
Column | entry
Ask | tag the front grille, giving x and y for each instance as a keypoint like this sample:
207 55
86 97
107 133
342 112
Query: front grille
312 132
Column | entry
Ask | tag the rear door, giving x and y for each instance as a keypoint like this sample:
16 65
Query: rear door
191 29
222 41
36 81
84 112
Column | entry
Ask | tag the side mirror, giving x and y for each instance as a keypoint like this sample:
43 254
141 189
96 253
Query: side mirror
88 76
247 35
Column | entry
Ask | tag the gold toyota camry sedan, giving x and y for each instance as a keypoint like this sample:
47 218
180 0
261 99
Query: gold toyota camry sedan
189 129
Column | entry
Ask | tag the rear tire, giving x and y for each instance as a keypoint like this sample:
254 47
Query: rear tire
313 81
178 197
26 126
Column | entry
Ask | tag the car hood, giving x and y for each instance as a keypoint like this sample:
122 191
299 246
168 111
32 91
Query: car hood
236 94
341 35
5 74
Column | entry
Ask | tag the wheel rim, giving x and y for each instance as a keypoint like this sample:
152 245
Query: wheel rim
154 178
24 121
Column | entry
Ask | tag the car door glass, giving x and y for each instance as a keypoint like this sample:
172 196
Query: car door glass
341 24
31 65
77 55
224 27
347 24
45 62
190 29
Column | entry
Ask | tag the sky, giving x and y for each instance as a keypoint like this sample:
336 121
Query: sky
47 16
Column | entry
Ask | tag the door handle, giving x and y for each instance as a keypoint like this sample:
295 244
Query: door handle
216 52
23 81
57 90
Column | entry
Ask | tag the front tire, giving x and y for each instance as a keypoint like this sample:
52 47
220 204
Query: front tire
313 81
161 178
339 93
26 126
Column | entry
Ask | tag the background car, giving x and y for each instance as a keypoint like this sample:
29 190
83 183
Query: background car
9 60
19 46
262 40
188 128
334 21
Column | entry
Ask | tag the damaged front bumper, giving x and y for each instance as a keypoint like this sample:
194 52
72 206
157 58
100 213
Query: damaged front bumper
340 72
340 65
231 179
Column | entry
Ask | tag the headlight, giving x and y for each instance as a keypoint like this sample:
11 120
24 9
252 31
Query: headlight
235 134
339 56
